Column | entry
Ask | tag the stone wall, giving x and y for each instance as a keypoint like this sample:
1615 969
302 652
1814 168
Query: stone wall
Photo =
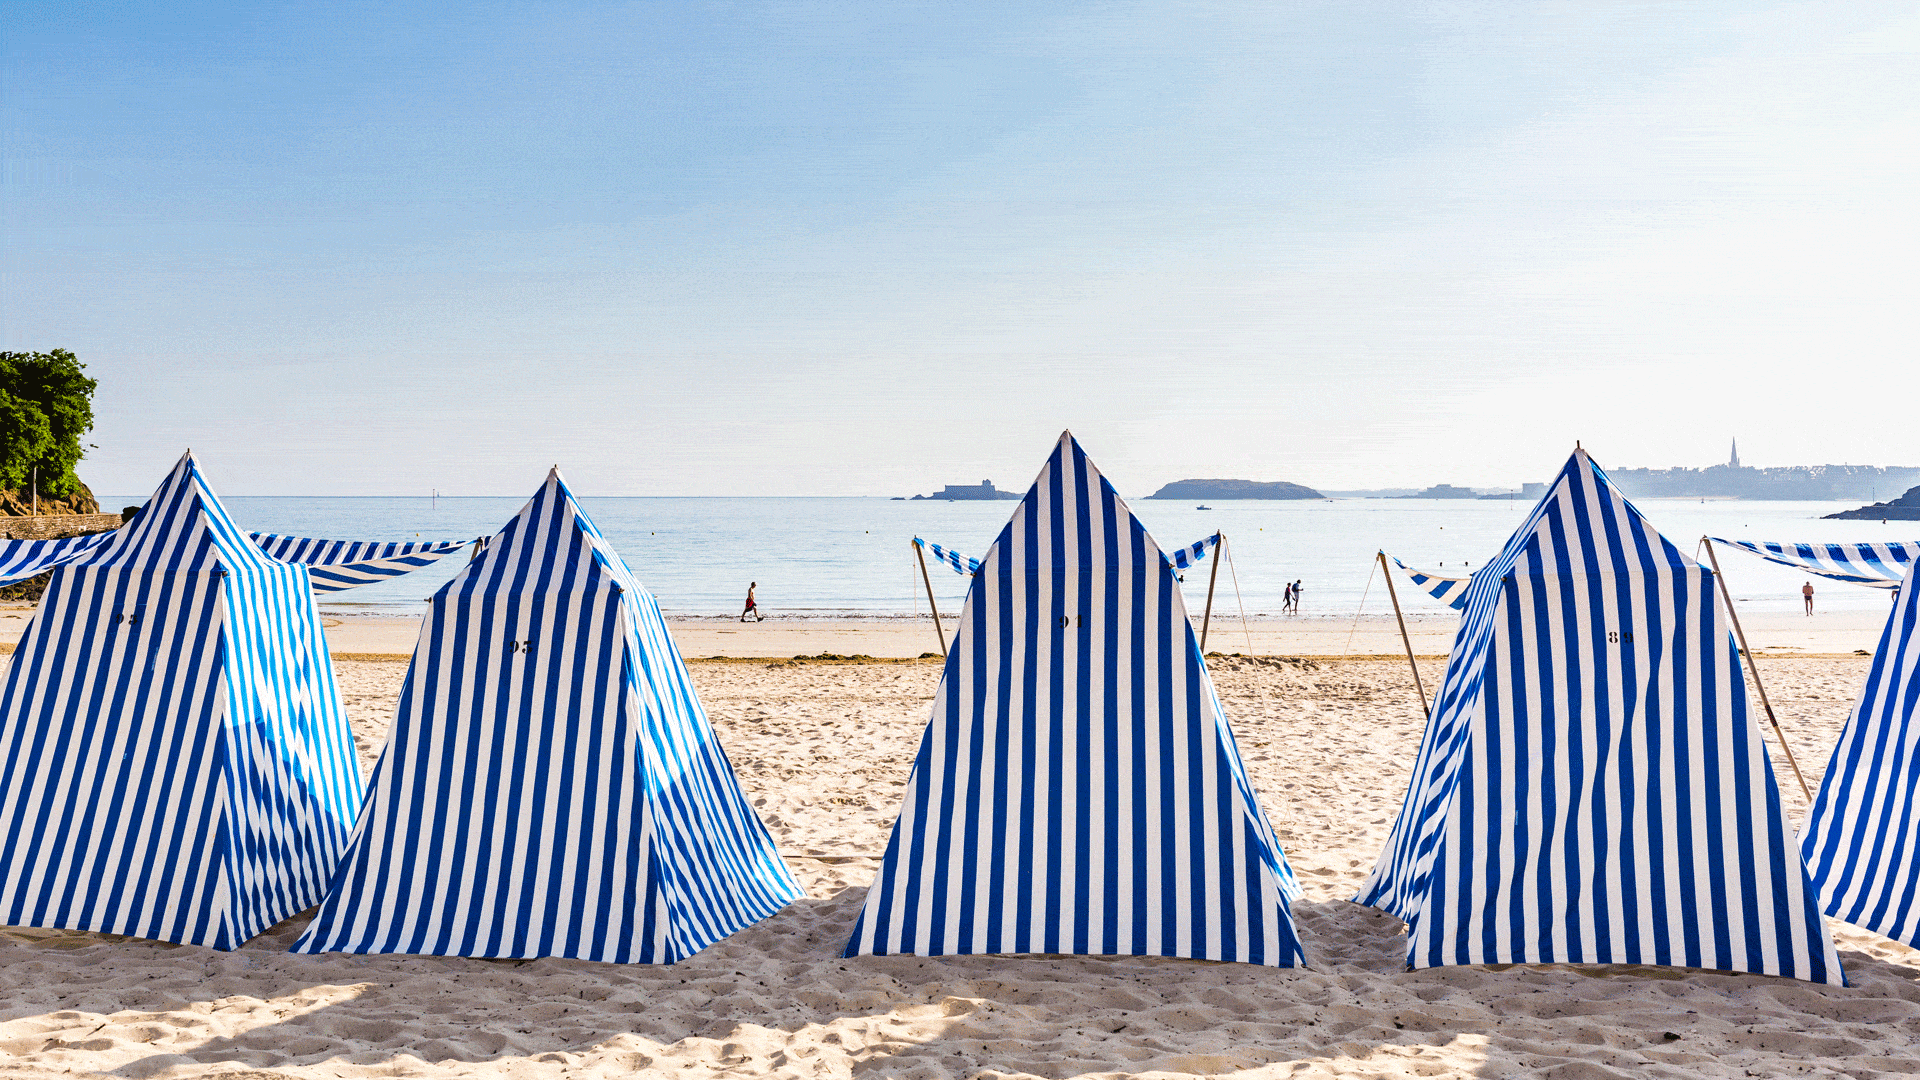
54 526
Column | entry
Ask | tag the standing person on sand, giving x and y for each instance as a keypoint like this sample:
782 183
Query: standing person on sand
751 609
1806 593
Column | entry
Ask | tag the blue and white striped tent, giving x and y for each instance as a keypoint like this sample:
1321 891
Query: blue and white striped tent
1452 590
175 762
550 785
1862 838
1591 787
338 565
1078 789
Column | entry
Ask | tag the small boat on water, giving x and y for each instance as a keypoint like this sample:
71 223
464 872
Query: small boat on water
1203 506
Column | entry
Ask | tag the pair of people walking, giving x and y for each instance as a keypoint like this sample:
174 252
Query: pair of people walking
1290 599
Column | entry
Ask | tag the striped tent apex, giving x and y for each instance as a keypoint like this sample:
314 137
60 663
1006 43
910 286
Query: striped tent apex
1184 558
1879 566
1078 789
1862 839
551 785
175 761
338 565
22 559
965 565
1451 590
1591 787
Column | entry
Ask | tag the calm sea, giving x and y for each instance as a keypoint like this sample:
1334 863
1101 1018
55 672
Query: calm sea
852 557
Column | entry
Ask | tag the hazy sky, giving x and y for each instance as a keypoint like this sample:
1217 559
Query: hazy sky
875 248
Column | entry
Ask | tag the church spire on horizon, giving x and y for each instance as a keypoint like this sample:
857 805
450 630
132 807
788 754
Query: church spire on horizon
1735 463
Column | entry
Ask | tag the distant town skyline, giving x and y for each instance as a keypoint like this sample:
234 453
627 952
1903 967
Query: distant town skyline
771 249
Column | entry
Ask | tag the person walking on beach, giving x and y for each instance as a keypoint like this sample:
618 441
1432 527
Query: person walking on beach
751 609
1286 599
1296 596
1806 593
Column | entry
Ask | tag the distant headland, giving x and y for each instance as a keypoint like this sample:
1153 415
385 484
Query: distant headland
1235 489
1904 508
982 492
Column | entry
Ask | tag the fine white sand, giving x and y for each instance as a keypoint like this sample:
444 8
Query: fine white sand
823 751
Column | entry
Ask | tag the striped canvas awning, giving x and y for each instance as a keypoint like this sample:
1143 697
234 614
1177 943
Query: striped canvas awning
22 559
1879 566
338 565
1591 786
960 564
1182 558
175 760
1078 788
1453 590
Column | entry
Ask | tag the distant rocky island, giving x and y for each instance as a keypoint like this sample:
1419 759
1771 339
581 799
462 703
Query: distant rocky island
1904 508
1235 489
983 492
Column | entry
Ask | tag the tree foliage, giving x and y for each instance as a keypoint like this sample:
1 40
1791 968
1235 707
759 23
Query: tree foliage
46 405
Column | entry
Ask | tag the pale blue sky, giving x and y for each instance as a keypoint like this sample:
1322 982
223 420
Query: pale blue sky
872 249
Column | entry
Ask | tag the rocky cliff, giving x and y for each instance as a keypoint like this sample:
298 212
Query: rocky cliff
19 503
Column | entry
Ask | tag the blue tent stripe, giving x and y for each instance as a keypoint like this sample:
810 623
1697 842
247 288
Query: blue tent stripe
1078 789
1591 787
1882 566
1862 839
177 762
551 785
338 565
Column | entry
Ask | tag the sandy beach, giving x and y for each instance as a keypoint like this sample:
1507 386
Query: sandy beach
823 749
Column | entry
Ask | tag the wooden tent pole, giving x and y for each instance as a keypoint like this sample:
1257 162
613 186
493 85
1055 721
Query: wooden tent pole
1726 598
1213 575
921 554
1394 595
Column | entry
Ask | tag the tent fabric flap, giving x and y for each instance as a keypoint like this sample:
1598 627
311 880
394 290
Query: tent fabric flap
22 559
958 563
1452 590
1880 566
1182 558
338 565
1591 786
1078 788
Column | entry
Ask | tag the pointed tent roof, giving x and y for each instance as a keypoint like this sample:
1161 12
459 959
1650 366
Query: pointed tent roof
1591 787
175 762
551 785
1078 789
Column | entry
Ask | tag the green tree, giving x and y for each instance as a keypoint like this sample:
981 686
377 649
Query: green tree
46 405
